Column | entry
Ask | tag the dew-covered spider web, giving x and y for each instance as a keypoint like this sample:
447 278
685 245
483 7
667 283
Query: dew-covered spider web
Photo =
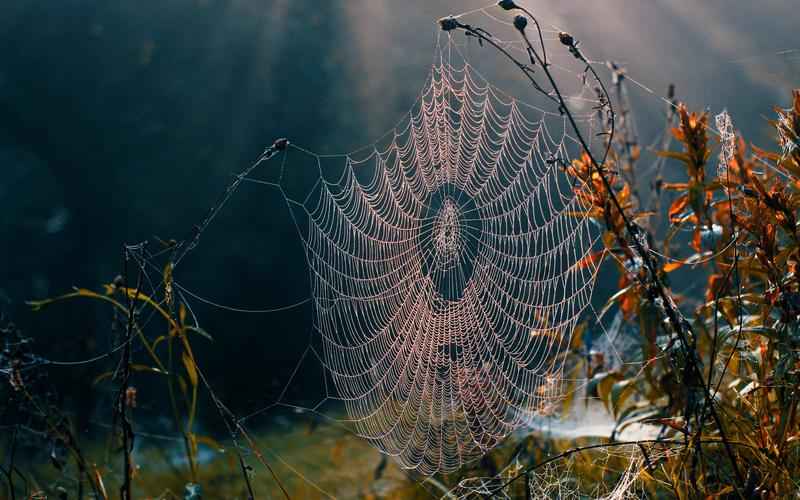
448 264
448 267
607 473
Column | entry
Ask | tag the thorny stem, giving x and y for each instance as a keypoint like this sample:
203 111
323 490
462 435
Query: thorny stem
657 289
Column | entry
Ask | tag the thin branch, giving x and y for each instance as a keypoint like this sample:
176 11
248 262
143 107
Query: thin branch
181 249
121 407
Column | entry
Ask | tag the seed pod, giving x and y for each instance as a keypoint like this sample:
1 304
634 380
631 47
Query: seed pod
507 4
520 22
566 39
448 23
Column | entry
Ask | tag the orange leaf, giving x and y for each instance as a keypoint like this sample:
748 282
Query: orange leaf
674 423
697 242
714 286
677 207
624 194
593 258
629 304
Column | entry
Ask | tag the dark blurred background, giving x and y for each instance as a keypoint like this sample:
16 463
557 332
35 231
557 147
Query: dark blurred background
122 121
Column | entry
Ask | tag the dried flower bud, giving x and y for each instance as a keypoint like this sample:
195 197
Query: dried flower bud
520 22
448 23
130 397
507 4
566 39
280 144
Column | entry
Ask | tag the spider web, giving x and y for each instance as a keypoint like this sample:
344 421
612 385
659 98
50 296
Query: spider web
607 473
448 268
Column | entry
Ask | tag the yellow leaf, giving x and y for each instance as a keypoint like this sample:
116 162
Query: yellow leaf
139 295
191 369
144 368
577 335
636 152
158 340
182 385
192 443
182 314
99 478
134 367
211 443
102 377
604 390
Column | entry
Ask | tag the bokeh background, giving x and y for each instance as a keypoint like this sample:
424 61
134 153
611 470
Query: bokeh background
123 121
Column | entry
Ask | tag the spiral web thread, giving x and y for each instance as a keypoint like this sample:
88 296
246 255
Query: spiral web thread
609 473
448 269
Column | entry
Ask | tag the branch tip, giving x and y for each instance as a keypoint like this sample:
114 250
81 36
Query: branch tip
280 144
449 23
